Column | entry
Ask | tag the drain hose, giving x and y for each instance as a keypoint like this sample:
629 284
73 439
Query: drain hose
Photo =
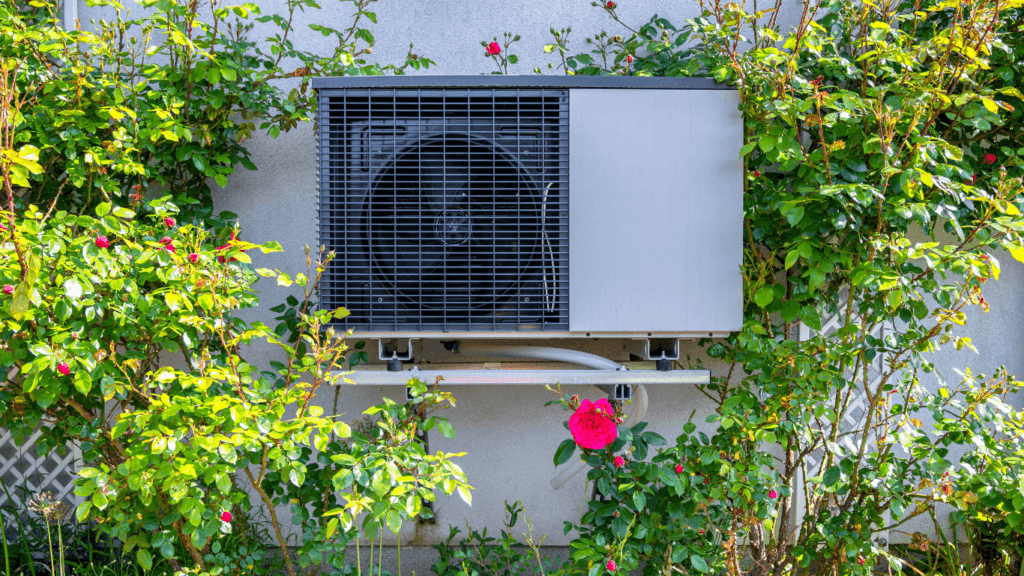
572 357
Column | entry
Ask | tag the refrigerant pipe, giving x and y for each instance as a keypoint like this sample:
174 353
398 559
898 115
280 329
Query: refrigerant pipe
572 357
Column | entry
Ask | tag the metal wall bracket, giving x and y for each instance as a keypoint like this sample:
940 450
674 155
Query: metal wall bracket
623 391
389 353
664 351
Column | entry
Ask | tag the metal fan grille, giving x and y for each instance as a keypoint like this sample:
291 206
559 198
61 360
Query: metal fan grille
447 208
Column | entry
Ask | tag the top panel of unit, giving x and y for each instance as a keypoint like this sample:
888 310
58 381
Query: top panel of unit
503 81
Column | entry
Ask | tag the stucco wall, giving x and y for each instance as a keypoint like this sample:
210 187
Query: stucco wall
507 433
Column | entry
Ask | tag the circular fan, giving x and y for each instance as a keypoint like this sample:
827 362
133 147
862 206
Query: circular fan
453 223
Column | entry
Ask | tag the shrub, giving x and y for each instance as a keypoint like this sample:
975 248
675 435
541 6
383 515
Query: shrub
883 171
166 100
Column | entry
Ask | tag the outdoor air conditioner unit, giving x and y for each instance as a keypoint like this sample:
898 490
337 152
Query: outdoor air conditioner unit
531 206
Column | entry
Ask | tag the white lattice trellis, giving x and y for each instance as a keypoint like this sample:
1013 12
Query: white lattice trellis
25 473
856 406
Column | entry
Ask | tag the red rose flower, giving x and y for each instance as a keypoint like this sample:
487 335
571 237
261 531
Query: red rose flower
592 426
169 222
225 516
63 368
102 242
493 49
679 468
629 58
989 158
610 565
193 258
757 173
860 560
8 289
619 462
610 5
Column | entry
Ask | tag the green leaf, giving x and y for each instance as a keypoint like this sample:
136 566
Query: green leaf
83 382
653 438
21 300
639 500
698 563
297 475
565 451
394 521
145 559
445 427
790 310
82 513
466 496
831 476
73 289
764 296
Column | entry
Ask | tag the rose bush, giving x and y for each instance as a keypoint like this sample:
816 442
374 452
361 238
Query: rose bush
171 109
883 176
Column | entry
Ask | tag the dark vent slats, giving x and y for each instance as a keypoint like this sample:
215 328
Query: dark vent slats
448 208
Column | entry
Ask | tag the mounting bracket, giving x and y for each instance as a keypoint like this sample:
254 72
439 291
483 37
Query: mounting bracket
389 353
663 351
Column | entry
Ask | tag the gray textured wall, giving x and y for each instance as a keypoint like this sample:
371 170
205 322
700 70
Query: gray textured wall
508 435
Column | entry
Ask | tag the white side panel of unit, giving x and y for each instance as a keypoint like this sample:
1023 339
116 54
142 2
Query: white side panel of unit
655 211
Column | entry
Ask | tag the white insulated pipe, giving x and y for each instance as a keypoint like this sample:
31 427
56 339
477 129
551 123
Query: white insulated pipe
541 353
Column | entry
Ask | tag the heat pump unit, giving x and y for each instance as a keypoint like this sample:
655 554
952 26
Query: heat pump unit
515 206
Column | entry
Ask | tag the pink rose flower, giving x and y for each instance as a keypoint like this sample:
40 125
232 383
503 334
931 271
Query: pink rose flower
167 242
679 468
169 222
63 368
8 289
102 242
591 425
493 49
610 565
3 228
619 462
989 158
773 494
225 516
193 258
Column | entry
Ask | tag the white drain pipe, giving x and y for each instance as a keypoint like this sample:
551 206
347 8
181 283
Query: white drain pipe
572 357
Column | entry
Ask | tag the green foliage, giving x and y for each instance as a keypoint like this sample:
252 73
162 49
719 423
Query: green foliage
164 100
478 554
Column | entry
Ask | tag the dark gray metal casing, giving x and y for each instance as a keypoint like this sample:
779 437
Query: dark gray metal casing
655 203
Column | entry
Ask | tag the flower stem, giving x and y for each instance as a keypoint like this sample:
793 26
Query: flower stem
49 541
60 547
